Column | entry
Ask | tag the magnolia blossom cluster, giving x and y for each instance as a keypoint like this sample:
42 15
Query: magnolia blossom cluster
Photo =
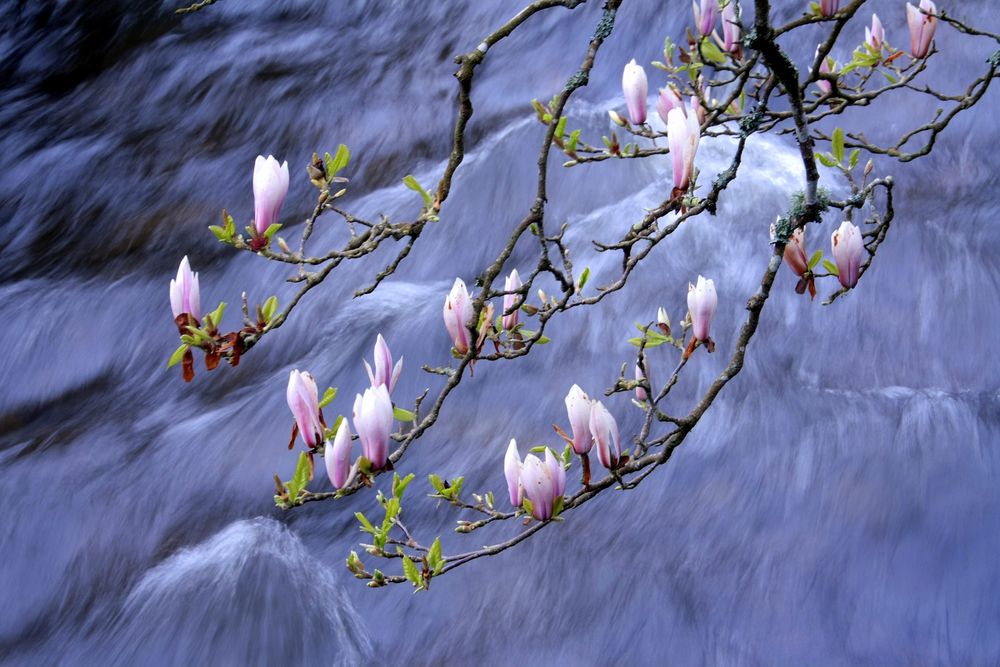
372 415
458 311
270 186
847 246
921 20
683 126
543 483
705 16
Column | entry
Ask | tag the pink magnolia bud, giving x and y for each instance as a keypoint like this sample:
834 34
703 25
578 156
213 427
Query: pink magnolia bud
540 486
730 28
578 409
556 472
640 392
512 471
513 282
848 247
338 456
668 99
702 301
635 88
303 401
270 185
682 136
795 252
457 315
699 110
704 16
373 422
828 7
383 362
875 36
923 22
185 296
824 68
604 428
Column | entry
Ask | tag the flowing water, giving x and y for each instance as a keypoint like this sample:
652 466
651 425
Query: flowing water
838 505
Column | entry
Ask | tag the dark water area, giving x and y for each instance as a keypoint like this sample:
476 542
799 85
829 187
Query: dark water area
839 505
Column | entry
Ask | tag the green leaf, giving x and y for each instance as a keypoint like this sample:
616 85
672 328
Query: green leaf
837 144
391 510
538 449
401 415
712 52
557 507
338 162
434 558
399 485
584 277
436 482
216 314
561 127
827 159
178 354
574 138
271 229
814 260
539 109
328 396
527 333
220 233
831 267
852 161
299 480
366 525
526 504
411 183
267 310
331 432
411 573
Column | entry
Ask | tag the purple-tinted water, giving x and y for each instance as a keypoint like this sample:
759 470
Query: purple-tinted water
839 504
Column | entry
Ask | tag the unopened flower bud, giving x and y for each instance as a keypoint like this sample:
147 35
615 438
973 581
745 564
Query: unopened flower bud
704 16
338 456
702 301
513 282
383 362
604 429
185 294
635 89
303 401
457 316
578 409
922 22
270 186
373 421
848 246
512 472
